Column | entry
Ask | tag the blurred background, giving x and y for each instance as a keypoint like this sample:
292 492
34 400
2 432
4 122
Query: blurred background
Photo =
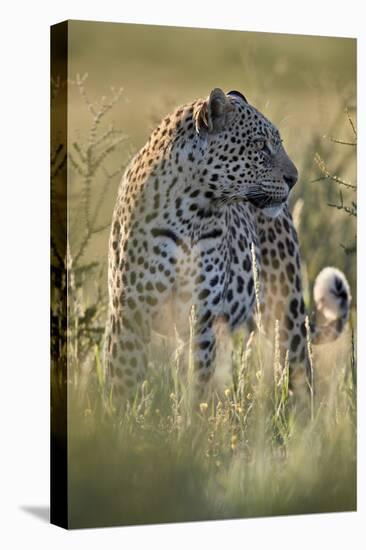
305 85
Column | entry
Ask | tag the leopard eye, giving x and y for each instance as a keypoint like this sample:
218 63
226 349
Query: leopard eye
260 144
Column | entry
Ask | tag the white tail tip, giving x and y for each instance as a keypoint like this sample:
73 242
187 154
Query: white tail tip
332 293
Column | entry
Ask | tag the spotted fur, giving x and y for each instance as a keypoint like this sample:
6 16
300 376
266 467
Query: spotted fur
211 182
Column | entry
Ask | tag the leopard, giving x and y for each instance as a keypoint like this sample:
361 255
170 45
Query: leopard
202 223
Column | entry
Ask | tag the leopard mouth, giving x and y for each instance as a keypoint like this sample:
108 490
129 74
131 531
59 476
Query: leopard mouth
264 196
266 201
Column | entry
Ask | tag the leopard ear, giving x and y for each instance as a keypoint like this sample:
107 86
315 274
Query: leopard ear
215 113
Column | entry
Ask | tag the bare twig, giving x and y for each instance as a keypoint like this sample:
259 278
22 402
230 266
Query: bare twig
351 210
351 123
327 175
341 142
88 160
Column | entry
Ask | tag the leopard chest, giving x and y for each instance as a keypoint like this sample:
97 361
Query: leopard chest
242 243
218 273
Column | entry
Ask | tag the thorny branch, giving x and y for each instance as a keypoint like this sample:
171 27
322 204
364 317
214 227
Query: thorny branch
351 209
327 175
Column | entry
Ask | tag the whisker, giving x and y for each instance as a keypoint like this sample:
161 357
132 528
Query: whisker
255 194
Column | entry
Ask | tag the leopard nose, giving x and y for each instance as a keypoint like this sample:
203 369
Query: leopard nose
290 179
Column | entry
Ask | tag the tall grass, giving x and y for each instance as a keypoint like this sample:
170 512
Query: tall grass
249 451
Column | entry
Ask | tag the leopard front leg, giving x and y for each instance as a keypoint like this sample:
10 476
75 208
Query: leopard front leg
127 338
282 298
135 297
197 354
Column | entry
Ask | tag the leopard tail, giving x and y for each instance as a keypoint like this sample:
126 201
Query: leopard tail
332 298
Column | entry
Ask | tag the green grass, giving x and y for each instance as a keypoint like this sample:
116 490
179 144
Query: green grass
252 450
